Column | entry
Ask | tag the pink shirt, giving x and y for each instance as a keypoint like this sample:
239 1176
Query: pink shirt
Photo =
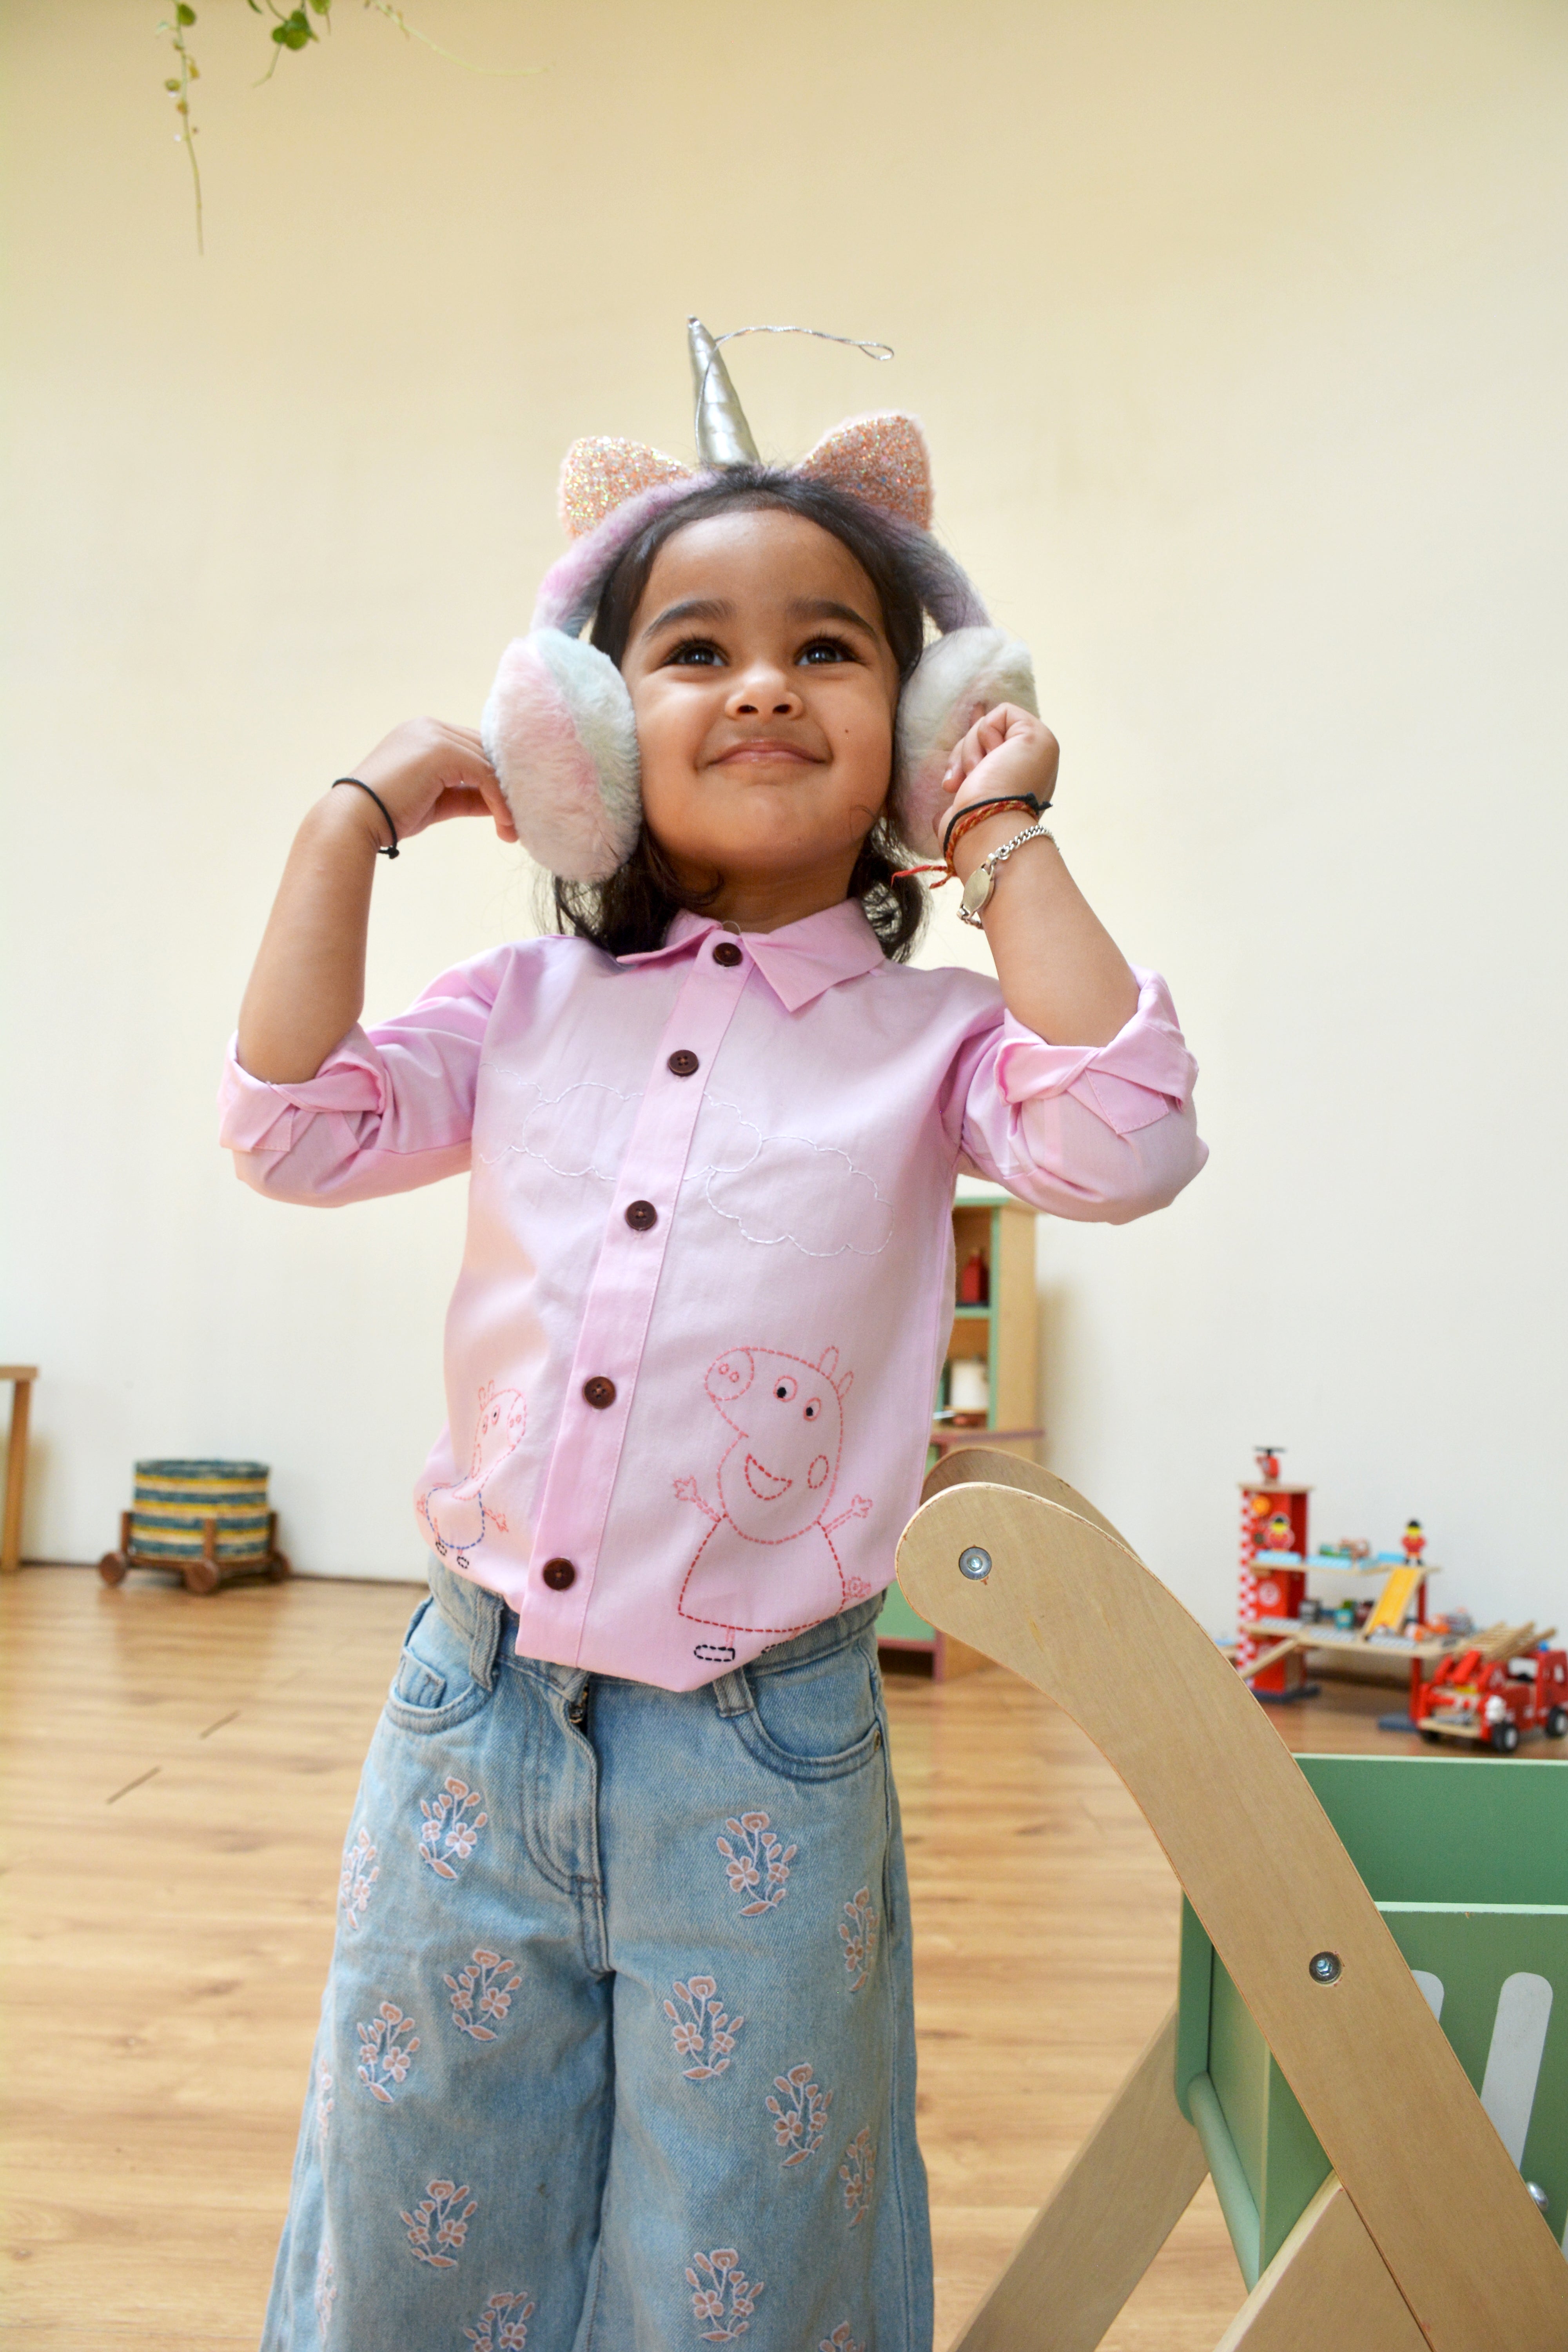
708 1280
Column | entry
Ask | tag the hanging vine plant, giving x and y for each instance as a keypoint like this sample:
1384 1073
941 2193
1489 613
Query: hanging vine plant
289 29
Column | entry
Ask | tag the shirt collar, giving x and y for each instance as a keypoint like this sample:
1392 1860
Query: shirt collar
800 962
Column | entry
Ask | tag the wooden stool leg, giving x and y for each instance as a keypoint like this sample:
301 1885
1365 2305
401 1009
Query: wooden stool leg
114 1565
16 1475
204 1575
1327 2285
1113 2210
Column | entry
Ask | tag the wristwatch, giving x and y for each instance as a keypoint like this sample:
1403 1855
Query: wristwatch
977 890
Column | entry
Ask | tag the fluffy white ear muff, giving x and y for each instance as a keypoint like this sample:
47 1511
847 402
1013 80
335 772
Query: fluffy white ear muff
558 730
958 678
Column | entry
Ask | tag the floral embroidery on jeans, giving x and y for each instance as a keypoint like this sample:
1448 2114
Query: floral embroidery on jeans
503 2324
323 2099
859 1938
326 2289
859 2174
759 1852
477 1994
436 2228
360 1873
840 2340
704 2033
386 2047
720 2296
800 2117
448 1836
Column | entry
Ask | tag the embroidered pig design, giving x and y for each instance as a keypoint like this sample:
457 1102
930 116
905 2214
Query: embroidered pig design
776 1487
459 1516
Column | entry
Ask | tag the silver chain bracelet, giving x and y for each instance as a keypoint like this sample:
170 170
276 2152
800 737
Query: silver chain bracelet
977 890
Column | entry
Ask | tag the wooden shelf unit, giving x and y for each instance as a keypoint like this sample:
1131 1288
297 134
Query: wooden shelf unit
1004 1333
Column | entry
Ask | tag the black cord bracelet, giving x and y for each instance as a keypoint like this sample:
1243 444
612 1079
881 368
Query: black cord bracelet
999 800
387 812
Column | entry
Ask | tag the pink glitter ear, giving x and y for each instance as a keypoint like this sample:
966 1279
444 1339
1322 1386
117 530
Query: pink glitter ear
600 473
882 459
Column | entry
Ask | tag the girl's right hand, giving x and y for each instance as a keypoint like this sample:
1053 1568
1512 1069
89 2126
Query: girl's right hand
425 771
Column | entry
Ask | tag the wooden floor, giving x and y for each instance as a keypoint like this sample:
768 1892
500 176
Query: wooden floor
177 1776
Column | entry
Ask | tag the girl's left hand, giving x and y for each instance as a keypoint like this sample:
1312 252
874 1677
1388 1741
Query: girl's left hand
1008 751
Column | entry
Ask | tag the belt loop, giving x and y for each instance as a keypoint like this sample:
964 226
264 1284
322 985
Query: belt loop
733 1693
485 1628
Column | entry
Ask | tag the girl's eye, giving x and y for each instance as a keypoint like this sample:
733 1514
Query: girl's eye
822 650
813 1409
784 1388
694 653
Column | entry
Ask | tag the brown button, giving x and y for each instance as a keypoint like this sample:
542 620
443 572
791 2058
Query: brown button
599 1392
559 1574
726 953
683 1065
641 1215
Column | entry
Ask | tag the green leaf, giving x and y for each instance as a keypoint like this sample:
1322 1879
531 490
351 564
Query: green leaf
174 86
184 15
321 7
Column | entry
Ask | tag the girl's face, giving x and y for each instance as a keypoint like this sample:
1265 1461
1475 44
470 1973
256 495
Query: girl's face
764 691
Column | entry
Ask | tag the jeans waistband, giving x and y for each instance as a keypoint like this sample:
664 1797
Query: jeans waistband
491 1628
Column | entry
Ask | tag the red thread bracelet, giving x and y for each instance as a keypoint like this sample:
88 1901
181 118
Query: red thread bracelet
964 821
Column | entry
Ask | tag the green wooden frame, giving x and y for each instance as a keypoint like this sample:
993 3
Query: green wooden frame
1467 1858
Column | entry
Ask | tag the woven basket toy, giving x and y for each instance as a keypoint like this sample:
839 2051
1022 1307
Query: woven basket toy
208 1521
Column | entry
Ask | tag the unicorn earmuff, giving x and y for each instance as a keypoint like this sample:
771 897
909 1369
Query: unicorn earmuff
558 726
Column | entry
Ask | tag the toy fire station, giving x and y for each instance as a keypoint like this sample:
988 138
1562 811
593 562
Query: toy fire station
1492 1686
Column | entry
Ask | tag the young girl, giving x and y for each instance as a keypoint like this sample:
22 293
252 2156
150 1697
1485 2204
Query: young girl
617 2051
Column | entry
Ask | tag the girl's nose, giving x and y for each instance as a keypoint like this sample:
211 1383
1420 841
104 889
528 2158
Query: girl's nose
764 692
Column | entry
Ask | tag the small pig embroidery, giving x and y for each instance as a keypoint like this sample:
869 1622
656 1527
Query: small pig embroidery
457 1516
775 1484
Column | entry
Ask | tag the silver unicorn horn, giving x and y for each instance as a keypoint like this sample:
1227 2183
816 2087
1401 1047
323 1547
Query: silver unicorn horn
723 436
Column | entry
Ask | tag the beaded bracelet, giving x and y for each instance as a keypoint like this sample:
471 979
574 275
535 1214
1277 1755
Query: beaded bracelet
381 850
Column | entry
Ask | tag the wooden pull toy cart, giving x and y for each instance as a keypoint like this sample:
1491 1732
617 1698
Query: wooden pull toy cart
209 1521
1361 1957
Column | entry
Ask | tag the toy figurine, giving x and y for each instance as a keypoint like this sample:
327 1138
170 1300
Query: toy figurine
1280 1534
1413 1539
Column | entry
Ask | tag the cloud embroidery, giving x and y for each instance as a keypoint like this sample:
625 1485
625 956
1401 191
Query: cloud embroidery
581 1131
783 1188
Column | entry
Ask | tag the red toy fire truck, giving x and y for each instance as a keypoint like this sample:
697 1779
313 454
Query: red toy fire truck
1495 1703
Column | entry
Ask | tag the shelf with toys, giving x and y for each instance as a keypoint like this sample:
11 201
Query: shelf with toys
988 1393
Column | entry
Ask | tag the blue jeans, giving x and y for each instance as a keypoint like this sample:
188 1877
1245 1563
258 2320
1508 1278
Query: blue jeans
617 2049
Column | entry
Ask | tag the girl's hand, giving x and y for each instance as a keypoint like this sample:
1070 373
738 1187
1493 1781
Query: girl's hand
1008 751
307 984
425 771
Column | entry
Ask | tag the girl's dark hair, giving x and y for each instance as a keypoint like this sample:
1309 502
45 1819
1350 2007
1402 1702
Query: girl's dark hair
629 913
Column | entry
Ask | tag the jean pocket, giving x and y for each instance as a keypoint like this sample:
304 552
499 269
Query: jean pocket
434 1688
817 1720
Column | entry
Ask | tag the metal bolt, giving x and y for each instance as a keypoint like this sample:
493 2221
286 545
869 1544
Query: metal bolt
973 1563
1325 1968
1537 2193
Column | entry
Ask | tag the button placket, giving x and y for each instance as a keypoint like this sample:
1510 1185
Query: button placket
579 1480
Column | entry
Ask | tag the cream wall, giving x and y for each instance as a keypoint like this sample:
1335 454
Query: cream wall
1238 332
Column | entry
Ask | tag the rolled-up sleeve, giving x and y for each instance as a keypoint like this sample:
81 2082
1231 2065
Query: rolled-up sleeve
390 1108
1101 1133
